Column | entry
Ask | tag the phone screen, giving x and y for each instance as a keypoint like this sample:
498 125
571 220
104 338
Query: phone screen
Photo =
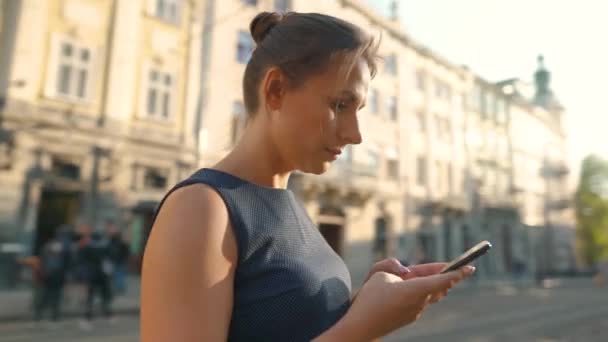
468 256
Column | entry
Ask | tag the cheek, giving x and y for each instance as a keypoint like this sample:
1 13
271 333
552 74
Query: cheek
308 124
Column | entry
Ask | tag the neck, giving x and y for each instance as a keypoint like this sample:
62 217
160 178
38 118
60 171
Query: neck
256 159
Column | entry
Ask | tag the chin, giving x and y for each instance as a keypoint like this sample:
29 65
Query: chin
317 169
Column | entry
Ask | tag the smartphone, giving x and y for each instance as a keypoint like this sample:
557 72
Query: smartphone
468 256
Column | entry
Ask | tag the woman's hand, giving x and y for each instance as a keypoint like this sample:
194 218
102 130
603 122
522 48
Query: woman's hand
387 301
390 265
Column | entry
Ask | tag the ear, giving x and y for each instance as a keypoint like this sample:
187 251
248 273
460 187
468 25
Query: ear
273 88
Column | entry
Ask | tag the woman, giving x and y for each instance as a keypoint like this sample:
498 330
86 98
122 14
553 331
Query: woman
233 255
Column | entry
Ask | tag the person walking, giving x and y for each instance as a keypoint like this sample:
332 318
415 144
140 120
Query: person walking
52 270
119 255
96 258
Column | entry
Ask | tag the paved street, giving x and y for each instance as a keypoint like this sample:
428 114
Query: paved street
572 312
125 329
569 312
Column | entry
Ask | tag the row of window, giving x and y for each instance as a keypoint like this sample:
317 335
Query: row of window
443 126
167 10
74 80
443 174
390 64
152 178
170 10
440 88
489 105
373 161
279 5
391 104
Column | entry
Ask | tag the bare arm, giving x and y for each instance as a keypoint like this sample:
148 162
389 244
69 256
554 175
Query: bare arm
188 269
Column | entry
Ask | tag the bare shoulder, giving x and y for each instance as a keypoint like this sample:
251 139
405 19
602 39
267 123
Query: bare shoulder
193 214
188 269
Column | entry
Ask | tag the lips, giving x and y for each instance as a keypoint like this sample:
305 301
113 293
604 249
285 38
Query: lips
334 151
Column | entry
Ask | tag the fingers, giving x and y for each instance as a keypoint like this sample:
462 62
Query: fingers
437 283
424 270
391 265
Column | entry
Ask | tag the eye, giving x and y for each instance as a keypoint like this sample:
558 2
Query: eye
339 106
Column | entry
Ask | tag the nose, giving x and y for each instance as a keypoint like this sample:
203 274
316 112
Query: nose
348 131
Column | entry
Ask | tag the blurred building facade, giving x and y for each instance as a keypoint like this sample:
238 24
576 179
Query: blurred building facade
98 105
107 103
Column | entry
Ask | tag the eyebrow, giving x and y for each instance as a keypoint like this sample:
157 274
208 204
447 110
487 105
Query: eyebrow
353 97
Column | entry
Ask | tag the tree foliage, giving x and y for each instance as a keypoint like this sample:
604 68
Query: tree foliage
592 210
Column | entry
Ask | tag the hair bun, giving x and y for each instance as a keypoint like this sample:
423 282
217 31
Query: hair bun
263 23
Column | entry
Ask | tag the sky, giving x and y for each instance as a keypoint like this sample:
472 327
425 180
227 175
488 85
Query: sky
500 39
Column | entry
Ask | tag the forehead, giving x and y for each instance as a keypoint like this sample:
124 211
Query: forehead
341 75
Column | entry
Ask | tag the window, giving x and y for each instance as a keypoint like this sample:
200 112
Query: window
155 179
439 176
373 101
438 127
420 122
476 100
391 64
421 170
463 100
74 69
438 89
65 169
420 80
282 5
491 105
391 105
447 92
168 10
501 115
245 46
486 99
392 166
238 120
449 177
159 94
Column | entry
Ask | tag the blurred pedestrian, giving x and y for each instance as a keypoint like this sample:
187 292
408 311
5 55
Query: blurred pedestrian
119 255
54 261
80 269
233 255
95 255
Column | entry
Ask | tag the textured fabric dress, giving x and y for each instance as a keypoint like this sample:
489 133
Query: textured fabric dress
289 283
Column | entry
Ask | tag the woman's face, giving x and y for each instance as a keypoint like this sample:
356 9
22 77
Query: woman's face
319 118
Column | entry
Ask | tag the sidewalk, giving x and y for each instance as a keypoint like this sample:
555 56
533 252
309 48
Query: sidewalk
501 284
16 305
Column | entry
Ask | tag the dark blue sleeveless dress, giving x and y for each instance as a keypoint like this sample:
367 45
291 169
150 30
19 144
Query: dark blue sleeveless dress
289 284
